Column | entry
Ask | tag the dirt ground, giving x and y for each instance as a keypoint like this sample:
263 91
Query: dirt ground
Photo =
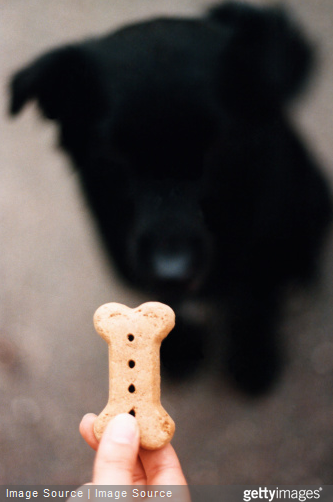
53 275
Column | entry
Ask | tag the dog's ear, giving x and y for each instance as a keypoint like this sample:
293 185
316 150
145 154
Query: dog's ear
63 82
267 58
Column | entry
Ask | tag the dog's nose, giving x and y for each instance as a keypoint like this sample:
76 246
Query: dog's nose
171 259
171 265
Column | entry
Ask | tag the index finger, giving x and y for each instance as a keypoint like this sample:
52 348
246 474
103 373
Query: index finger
162 466
87 430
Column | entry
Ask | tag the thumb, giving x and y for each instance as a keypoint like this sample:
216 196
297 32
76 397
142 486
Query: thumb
117 452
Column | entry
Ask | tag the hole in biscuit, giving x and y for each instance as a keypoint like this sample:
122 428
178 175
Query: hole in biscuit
131 388
131 363
132 412
130 337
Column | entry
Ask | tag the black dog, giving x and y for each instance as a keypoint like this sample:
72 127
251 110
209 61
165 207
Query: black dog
199 185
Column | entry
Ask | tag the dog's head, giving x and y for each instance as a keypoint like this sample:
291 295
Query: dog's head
141 113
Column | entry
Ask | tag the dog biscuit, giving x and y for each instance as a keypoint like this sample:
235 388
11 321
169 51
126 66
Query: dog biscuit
134 337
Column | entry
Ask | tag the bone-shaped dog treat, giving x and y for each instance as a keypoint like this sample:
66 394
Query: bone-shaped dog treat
134 337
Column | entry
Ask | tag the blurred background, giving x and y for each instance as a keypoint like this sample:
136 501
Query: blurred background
53 276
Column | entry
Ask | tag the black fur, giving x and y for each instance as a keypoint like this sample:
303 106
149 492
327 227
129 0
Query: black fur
199 185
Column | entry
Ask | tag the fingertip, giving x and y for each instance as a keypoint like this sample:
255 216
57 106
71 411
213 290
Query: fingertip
86 429
87 422
123 428
88 416
117 453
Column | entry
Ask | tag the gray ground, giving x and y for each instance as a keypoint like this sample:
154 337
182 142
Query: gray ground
53 366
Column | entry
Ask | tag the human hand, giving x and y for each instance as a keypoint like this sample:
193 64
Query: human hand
120 461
